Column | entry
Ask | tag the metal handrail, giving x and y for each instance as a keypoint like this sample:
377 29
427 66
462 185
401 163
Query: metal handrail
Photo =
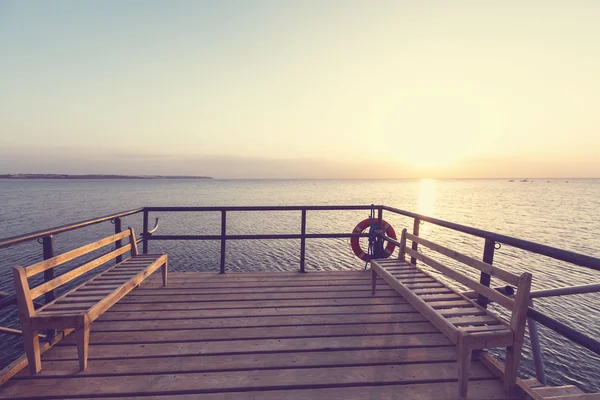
549 251
6 242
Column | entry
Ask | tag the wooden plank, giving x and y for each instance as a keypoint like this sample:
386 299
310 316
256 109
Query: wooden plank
227 278
71 255
212 291
476 320
482 389
232 286
208 323
219 334
138 296
74 273
456 312
434 284
140 313
506 276
239 380
440 305
63 352
206 363
442 290
465 280
434 298
485 328
125 305
415 280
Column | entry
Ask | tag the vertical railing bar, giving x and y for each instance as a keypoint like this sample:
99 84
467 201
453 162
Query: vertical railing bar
119 242
415 245
534 337
379 241
223 239
48 252
303 241
485 279
145 234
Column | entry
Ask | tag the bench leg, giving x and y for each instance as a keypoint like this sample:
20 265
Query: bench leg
511 367
82 337
373 281
164 270
463 354
31 341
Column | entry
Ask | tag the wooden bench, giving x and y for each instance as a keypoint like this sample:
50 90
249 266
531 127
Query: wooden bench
464 322
80 306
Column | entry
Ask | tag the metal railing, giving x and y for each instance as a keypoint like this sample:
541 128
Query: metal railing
491 241
533 316
224 237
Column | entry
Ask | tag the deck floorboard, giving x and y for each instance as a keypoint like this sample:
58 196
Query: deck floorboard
265 336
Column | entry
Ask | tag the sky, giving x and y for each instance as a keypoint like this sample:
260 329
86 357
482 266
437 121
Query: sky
301 89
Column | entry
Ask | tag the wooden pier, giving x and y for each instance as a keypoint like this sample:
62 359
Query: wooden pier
318 335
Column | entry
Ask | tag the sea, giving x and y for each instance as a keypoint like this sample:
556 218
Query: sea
563 213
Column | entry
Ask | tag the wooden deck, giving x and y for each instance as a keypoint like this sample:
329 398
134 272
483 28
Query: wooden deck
319 335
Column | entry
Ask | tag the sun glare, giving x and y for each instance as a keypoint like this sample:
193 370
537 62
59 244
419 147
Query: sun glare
426 199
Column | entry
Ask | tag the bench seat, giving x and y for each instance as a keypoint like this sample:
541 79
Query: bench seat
76 309
463 321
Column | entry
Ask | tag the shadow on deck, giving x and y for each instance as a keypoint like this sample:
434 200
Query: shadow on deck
265 336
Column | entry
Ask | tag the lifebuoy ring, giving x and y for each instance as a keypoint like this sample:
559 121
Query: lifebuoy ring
364 224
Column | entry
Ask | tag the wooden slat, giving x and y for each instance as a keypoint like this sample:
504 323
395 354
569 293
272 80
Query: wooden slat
308 285
470 261
465 280
211 323
168 291
440 322
139 296
74 273
103 305
482 389
251 361
257 312
476 320
248 379
251 333
71 255
455 312
256 345
485 328
439 305
126 305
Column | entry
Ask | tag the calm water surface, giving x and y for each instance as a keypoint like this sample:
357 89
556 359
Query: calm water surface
558 213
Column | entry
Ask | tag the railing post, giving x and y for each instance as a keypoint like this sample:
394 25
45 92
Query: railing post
378 250
534 337
223 239
485 279
119 242
48 249
145 238
303 241
415 245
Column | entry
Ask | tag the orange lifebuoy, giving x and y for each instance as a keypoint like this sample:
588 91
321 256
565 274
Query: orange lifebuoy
364 224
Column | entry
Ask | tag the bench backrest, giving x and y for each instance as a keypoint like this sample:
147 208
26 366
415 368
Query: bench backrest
26 295
517 306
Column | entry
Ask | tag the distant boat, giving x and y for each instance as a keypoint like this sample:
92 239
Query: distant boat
511 180
524 180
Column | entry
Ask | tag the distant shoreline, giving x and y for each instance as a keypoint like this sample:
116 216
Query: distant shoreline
97 176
